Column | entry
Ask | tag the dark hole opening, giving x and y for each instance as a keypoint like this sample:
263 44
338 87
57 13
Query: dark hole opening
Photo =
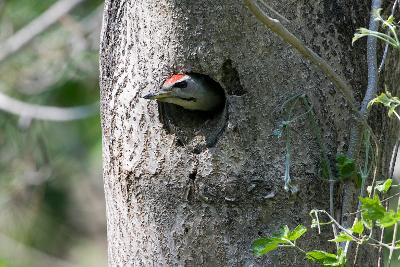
199 129
192 176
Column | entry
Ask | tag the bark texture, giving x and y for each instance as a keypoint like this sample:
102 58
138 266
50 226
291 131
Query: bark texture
183 189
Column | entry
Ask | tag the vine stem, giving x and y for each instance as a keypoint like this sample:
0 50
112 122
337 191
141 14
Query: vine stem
394 235
369 94
275 26
398 200
376 243
291 244
387 44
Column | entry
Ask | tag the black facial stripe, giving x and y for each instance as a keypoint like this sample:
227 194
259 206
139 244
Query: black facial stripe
182 84
187 98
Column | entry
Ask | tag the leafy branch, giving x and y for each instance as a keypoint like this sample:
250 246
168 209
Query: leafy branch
370 212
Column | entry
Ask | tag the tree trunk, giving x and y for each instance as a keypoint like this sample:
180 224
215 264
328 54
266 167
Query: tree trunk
186 189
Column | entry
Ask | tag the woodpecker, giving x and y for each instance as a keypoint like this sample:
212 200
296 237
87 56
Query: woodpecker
190 91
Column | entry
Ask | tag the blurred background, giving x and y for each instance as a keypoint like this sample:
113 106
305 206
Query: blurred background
52 210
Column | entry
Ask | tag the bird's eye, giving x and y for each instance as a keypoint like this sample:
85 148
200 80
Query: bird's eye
182 84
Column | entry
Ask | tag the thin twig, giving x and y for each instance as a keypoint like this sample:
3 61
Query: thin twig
381 238
50 113
275 26
394 158
387 44
324 157
394 235
36 27
348 232
35 79
393 161
339 82
388 198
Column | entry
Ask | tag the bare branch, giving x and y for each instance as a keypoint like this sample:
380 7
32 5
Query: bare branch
13 251
36 27
49 113
38 77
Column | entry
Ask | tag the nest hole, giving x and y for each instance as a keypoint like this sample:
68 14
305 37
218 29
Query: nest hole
197 129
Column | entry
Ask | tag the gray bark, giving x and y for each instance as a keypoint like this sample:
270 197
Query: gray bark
184 190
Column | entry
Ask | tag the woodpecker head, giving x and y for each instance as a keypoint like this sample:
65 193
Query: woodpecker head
190 91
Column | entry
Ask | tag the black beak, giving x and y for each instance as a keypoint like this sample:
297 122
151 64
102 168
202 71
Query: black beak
163 93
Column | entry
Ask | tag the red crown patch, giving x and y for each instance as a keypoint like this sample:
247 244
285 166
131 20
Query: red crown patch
173 79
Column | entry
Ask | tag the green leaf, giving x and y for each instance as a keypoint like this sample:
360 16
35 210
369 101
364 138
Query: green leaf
371 208
381 99
341 258
387 100
346 168
376 12
342 237
359 34
282 234
322 257
390 20
389 218
297 233
357 179
358 227
327 259
262 246
385 186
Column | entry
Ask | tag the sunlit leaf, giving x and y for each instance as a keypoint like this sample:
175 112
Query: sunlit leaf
390 20
358 227
387 100
262 246
342 237
297 233
371 208
385 186
389 218
325 258
283 233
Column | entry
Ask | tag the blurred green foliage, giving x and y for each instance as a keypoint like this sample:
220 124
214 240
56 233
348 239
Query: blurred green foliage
51 198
